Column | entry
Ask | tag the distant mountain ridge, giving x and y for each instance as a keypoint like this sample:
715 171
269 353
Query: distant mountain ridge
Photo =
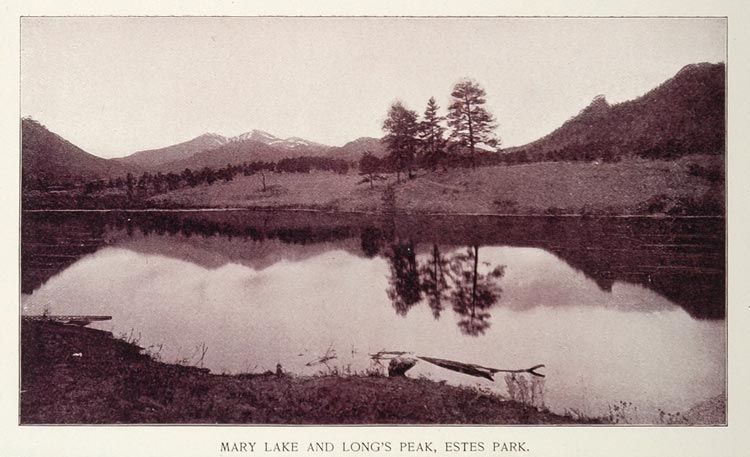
248 146
156 157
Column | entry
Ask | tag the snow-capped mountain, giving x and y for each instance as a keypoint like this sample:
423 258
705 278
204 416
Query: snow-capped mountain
212 149
260 136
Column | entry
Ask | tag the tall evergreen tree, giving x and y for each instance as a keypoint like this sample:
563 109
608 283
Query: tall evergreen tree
401 128
431 134
467 116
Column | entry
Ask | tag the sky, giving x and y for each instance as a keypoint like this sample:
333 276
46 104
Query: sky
114 86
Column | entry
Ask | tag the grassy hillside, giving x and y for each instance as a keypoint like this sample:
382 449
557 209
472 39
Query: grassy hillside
322 190
690 185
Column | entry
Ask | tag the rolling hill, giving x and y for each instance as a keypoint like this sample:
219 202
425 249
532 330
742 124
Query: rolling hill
683 115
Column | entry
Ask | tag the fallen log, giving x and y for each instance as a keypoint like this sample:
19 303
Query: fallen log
478 370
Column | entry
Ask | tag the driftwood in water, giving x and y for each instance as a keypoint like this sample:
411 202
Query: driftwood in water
330 354
465 368
398 366
477 370
386 355
81 320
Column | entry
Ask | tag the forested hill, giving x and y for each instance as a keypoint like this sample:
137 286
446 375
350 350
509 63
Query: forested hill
683 115
46 156
354 150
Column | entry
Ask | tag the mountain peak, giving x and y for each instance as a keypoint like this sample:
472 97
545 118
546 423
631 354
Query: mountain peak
211 135
699 67
598 105
211 139
255 135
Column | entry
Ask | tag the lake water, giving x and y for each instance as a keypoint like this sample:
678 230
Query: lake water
619 310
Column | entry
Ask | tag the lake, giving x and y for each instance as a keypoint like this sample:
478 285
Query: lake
618 309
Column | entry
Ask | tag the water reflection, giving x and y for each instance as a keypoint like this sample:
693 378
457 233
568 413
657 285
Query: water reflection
260 290
682 259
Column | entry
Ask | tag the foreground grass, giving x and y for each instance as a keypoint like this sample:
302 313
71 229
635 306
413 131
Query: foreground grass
112 382
632 186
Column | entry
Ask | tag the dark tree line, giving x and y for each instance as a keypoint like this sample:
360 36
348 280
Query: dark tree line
308 164
148 184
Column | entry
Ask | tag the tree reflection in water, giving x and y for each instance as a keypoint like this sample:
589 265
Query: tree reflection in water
404 290
435 274
473 293
456 279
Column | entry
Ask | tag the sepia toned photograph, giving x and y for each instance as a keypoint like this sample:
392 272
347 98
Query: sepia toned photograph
373 220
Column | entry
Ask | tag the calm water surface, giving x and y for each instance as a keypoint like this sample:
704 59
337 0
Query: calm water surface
617 310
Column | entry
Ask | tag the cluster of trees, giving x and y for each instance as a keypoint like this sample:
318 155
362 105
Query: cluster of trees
598 150
413 142
674 148
156 183
307 164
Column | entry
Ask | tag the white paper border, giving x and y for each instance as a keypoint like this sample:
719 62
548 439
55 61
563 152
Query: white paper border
82 441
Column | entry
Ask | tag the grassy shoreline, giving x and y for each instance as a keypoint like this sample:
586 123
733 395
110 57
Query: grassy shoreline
112 381
690 186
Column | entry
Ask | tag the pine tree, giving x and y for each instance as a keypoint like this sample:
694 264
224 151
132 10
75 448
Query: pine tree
467 116
431 134
401 130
